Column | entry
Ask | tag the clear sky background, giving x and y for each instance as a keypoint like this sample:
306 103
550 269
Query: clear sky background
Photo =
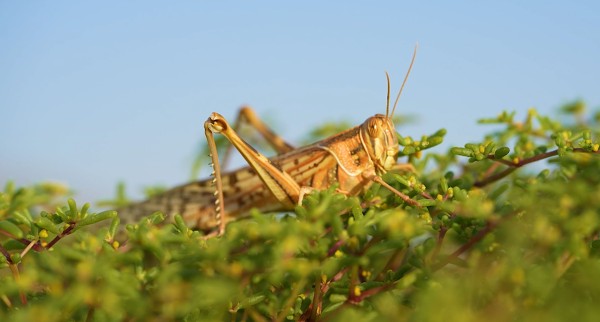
94 92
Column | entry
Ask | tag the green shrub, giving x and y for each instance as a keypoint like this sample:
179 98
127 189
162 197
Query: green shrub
489 241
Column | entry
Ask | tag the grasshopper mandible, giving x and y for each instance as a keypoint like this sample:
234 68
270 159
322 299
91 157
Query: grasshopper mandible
354 159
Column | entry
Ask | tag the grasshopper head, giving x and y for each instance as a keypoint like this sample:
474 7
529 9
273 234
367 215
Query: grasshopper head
379 138
378 133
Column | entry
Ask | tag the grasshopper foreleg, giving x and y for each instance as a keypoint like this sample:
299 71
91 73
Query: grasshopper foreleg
279 183
404 197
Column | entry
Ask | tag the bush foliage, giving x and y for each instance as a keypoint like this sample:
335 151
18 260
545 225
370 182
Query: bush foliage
488 241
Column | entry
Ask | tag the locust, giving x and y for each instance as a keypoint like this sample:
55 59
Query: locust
353 159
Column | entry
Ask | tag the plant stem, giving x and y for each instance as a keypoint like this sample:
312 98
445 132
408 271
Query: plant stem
513 166
474 240
6 254
15 272
61 235
28 248
286 307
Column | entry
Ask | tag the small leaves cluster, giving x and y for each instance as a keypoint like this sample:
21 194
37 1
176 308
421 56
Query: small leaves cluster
485 150
536 138
414 147
473 240
21 232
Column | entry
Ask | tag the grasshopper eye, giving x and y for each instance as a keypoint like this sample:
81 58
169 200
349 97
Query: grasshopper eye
373 128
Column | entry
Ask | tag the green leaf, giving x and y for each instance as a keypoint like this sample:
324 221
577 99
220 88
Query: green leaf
180 224
443 185
22 217
436 140
408 150
427 202
46 223
11 228
576 107
114 225
462 151
72 215
13 245
501 152
440 132
84 210
16 258
92 219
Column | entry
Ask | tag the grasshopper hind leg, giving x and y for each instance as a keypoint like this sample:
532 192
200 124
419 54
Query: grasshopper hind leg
247 116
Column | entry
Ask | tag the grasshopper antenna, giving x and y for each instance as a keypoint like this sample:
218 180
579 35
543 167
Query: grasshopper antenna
404 82
387 103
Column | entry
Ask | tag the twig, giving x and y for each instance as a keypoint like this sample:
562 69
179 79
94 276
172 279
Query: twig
28 248
352 296
15 271
323 288
61 235
490 225
374 291
290 301
439 242
335 247
6 300
512 166
6 254
494 177
314 309
393 262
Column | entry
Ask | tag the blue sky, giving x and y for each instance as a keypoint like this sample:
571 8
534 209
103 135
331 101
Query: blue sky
92 93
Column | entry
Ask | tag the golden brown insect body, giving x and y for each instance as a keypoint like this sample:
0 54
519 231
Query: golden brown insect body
353 159
349 158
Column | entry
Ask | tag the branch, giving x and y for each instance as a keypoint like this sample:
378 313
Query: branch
61 235
15 272
439 242
6 254
450 258
374 291
490 225
335 247
512 166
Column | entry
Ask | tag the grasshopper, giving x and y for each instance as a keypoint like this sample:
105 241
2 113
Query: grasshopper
354 159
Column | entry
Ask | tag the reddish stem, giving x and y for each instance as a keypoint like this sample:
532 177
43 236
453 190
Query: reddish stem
474 240
513 166
61 235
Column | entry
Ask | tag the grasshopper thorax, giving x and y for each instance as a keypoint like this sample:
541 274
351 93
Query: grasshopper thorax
378 136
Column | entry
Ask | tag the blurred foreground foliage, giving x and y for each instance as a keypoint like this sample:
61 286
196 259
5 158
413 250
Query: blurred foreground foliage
487 243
